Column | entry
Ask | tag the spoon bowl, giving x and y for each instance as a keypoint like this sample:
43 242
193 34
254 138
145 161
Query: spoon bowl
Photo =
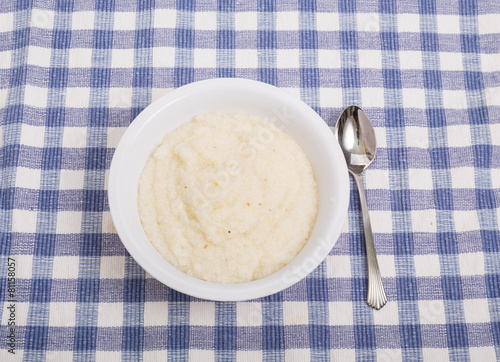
356 137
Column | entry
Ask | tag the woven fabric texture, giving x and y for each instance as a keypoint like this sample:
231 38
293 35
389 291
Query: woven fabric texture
74 74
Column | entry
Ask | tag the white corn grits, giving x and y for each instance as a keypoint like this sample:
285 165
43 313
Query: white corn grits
228 198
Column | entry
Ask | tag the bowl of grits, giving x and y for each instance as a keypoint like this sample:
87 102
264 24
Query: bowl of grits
228 189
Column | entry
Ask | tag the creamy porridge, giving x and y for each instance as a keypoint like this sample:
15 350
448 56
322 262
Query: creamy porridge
228 198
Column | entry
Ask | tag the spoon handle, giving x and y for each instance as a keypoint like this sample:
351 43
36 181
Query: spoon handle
376 297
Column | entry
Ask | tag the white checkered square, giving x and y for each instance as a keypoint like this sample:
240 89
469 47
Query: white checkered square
24 221
79 58
471 263
420 179
327 21
6 58
389 355
414 98
6 22
246 58
74 137
368 22
462 178
65 267
409 59
343 354
110 315
338 266
42 18
112 267
106 177
202 314
448 24
466 220
454 99
249 356
476 311
245 21
165 18
163 57
287 20
108 356
489 62
60 356
205 20
205 58
435 354
295 313
431 311
328 58
370 58
423 221
302 355
107 222
495 133
35 96
32 135
122 58
451 61
389 315
120 97
82 20
287 58
39 56
427 265
77 97
114 136
69 222
488 23
459 135
62 314
157 93
417 137
493 96
482 354
160 355
330 97
387 265
408 23
71 179
249 314
124 20
201 355
495 180
155 314
340 313
376 179
24 265
372 97
381 221
381 136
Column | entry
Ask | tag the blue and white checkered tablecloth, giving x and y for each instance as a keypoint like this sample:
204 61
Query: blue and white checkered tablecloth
75 73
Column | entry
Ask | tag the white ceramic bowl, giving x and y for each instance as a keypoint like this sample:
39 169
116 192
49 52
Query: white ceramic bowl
229 95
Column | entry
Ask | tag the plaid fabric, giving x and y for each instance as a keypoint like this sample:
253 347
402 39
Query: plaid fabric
74 74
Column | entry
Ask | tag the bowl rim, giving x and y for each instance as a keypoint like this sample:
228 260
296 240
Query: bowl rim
184 283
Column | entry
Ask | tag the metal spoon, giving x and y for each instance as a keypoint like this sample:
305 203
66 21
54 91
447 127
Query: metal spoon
356 136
